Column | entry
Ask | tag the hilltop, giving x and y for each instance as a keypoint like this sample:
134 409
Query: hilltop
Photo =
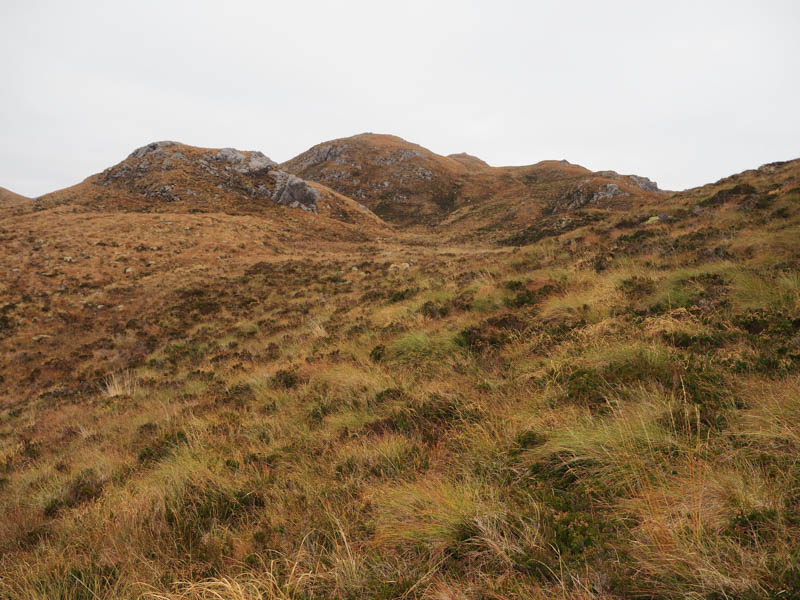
399 181
176 178
217 381
409 185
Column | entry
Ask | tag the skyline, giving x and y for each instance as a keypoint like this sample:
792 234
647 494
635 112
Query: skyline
681 94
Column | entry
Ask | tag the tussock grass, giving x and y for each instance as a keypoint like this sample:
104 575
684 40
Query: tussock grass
630 432
122 383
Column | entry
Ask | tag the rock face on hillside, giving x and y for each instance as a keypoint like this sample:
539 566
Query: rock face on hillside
249 173
588 192
292 191
167 176
644 183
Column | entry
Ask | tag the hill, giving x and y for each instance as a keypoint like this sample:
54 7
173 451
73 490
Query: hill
124 242
10 201
176 178
598 399
409 185
399 181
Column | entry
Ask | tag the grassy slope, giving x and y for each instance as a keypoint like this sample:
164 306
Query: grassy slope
10 200
610 411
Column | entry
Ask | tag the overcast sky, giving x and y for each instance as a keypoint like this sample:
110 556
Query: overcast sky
682 92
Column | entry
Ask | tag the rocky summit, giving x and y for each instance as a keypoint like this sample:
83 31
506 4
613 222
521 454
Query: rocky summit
373 371
172 177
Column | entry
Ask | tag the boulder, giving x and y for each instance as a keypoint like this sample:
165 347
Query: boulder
292 191
245 163
644 183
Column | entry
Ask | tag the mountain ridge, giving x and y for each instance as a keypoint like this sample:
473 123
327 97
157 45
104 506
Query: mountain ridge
409 185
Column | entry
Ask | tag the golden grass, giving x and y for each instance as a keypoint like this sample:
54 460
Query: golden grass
307 429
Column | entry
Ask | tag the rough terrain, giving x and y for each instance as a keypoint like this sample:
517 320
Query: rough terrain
226 378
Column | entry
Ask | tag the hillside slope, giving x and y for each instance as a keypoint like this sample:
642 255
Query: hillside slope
124 242
9 201
600 403
400 181
409 185
173 177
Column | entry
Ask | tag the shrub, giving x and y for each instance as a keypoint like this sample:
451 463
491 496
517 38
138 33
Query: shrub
404 294
285 379
637 286
377 353
434 310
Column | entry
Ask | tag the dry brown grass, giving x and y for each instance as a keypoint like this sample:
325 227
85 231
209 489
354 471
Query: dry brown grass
301 419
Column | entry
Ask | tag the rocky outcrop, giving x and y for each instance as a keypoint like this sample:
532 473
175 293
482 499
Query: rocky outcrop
588 192
321 153
151 148
241 162
248 173
644 183
294 192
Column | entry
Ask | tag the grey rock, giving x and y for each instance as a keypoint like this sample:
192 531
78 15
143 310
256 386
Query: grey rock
152 147
173 160
644 183
163 192
258 162
397 157
323 153
229 155
252 162
294 192
585 194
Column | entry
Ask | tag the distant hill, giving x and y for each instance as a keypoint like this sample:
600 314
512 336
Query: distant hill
401 182
407 184
176 178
